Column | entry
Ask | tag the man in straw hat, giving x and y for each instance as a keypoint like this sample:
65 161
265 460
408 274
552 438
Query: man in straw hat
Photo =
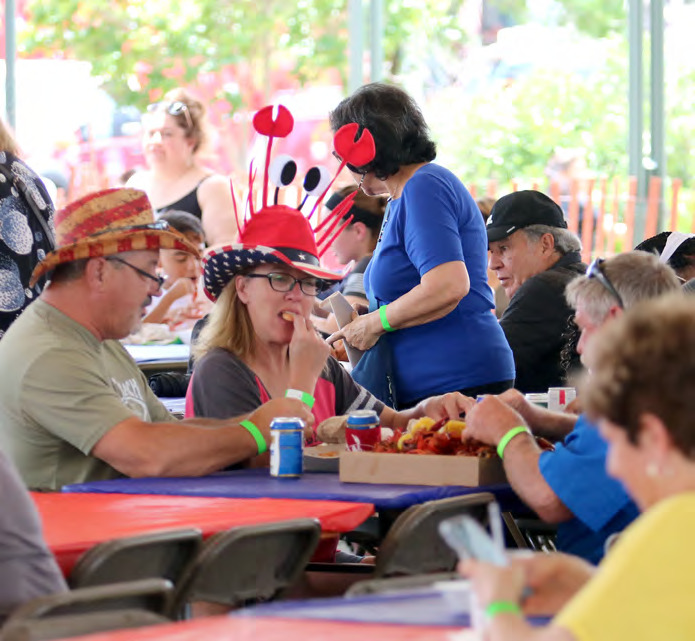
73 405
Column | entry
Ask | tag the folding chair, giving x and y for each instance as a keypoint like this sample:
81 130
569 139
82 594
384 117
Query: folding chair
248 564
88 610
155 555
413 546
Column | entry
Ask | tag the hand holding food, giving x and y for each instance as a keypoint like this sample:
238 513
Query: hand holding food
308 353
361 333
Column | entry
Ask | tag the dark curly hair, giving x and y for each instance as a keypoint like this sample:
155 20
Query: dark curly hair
401 135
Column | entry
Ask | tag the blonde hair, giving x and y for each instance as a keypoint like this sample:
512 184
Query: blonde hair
229 326
7 141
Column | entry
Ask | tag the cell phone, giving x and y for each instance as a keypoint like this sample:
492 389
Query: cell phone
469 540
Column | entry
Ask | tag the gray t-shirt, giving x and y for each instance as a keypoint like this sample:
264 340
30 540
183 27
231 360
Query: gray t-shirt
27 567
62 390
223 386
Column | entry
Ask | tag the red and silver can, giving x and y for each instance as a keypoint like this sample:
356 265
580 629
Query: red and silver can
362 431
286 447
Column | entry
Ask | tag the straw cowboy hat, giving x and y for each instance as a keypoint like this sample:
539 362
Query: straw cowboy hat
279 233
105 223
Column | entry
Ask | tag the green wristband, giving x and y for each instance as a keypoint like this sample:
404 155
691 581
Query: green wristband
257 436
384 320
502 607
305 397
504 441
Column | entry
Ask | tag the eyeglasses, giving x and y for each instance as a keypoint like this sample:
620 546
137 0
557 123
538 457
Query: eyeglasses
175 108
355 170
159 225
596 271
282 282
157 279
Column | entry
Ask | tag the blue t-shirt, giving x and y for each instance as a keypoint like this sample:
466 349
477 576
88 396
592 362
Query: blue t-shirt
576 472
436 221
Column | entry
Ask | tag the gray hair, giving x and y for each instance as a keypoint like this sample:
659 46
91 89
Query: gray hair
565 241
636 276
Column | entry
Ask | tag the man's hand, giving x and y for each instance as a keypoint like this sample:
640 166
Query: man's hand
489 420
275 407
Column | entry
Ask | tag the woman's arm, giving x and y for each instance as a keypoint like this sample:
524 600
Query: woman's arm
439 292
215 199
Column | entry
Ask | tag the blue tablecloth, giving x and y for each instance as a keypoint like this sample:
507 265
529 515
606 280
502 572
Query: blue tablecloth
421 607
257 483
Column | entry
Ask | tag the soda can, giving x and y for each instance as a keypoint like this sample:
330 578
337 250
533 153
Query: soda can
560 397
362 431
286 447
537 399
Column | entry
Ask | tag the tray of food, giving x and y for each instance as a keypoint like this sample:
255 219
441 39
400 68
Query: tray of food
323 458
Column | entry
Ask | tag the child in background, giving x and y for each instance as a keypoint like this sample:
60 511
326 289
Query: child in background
179 304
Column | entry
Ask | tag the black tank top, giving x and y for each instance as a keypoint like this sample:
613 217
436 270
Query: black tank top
188 203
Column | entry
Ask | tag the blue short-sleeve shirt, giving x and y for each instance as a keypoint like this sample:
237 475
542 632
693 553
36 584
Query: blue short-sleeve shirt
576 472
436 221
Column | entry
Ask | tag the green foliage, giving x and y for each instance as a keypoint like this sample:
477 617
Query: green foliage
511 131
598 18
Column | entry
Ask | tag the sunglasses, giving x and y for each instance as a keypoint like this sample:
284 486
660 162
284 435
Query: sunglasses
355 170
596 271
175 108
159 225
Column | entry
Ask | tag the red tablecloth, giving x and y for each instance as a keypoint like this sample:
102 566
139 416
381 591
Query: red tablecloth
75 522
232 629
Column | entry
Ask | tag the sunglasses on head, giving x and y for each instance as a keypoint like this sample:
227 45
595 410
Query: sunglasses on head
175 108
355 170
594 270
159 225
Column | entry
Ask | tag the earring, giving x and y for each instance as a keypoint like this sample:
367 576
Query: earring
652 470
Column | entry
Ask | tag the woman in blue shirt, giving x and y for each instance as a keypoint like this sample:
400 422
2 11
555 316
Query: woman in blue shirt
428 273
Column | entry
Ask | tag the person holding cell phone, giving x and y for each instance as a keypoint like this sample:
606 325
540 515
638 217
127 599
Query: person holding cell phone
639 392
175 135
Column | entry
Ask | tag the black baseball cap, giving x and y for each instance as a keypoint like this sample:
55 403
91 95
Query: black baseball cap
522 209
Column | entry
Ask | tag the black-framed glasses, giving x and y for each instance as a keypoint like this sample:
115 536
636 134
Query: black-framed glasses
282 282
594 270
175 108
352 168
157 279
158 225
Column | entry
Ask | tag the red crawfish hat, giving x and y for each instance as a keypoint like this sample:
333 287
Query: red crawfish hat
105 223
279 233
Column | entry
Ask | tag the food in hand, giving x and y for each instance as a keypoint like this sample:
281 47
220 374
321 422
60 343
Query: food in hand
288 316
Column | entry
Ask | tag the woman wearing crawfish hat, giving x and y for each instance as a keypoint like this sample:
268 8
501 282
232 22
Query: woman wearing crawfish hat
258 340
175 134
427 278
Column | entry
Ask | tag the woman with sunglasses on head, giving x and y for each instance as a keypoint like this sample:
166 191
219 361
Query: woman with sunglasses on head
427 280
174 136
640 391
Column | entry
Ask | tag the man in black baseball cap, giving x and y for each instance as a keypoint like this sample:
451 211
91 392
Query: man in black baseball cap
534 256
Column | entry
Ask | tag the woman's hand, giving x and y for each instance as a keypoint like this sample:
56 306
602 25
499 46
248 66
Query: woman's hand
308 354
361 333
493 582
553 579
450 406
